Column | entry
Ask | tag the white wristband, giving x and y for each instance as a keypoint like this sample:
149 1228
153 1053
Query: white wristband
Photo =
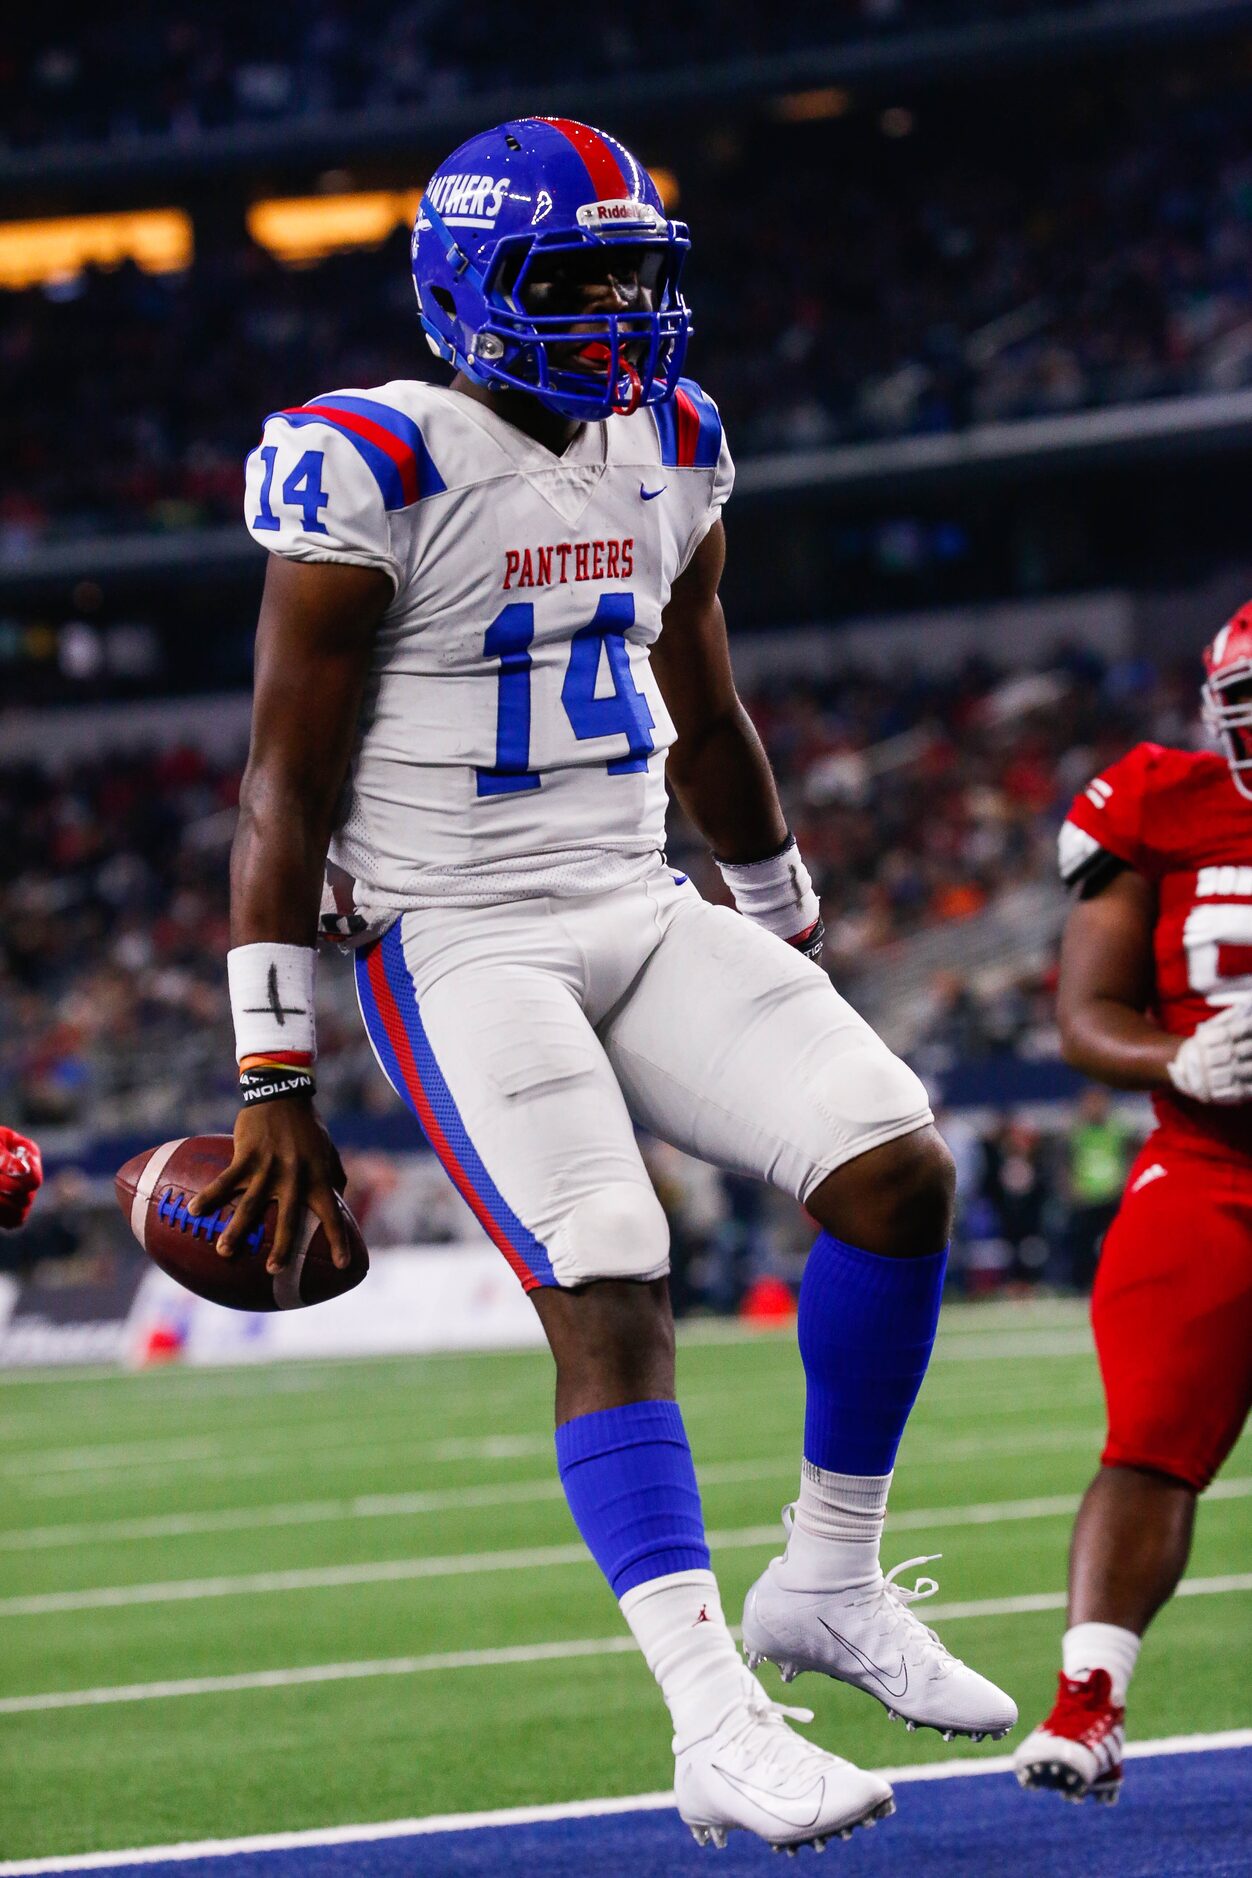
777 893
271 998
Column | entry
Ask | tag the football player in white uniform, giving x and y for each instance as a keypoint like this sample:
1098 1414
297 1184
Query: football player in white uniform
490 634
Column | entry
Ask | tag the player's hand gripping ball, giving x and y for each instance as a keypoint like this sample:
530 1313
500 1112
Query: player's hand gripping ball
155 1189
21 1174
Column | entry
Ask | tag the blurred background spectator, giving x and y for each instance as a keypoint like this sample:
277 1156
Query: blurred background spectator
1098 1154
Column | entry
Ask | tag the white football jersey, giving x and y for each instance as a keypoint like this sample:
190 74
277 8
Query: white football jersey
512 740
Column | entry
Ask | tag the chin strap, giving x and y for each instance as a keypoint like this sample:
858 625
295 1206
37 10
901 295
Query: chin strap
628 392
634 397
462 265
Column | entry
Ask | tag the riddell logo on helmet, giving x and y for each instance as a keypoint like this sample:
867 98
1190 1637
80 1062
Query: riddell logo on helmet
473 201
621 209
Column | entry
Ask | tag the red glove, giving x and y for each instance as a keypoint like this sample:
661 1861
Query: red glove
21 1175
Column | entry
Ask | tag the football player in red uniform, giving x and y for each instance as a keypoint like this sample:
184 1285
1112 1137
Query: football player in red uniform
1156 994
21 1175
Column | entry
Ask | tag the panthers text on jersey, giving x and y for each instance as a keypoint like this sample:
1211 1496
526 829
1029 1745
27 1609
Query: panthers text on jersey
1176 817
512 740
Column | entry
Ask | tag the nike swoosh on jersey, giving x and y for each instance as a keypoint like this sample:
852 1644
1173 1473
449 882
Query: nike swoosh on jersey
778 1806
894 1682
650 495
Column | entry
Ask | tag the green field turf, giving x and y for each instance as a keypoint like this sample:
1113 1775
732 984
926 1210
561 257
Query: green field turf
176 1476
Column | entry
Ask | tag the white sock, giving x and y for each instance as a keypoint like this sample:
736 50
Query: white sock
1101 1646
678 1624
837 1531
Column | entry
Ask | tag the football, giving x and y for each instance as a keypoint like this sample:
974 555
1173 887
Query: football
154 1190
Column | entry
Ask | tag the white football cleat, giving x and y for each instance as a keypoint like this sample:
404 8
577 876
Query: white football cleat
868 1636
754 1774
1078 1750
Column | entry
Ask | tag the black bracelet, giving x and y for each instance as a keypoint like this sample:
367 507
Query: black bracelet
812 942
773 855
273 1085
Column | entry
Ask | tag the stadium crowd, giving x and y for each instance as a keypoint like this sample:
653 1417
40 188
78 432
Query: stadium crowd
89 76
1034 1202
946 290
919 803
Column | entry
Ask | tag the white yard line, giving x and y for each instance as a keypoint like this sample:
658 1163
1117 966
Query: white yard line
296 1513
34 1465
509 1493
168 1457
512 1654
152 1475
1007 1395
989 1318
141 1453
319 1672
315 1578
228 1377
448 1565
404 1571
504 1817
1005 1340
363 1506
111 1454
257 1386
919 1450
1012 1345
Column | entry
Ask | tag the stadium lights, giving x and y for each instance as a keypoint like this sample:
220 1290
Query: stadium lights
34 254
298 230
806 107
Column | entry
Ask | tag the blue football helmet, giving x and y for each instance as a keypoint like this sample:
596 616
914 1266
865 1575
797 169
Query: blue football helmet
493 219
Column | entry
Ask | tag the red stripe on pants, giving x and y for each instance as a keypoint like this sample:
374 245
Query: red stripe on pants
398 1036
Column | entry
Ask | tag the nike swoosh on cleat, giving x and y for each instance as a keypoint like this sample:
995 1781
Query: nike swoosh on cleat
895 1682
776 1805
650 495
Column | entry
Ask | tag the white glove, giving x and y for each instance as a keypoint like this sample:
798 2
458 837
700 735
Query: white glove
1214 1064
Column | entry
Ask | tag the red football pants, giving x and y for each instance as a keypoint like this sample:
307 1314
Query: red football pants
1172 1314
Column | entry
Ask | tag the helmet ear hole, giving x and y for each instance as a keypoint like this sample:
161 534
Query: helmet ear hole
444 301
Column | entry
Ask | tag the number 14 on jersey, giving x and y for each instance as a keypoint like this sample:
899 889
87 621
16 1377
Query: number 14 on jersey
623 712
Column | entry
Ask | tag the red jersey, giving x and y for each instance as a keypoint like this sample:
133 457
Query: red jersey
1176 818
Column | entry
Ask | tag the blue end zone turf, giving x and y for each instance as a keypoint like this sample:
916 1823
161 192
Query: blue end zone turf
1180 1814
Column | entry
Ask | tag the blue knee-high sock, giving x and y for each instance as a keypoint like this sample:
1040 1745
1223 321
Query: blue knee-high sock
631 1486
867 1326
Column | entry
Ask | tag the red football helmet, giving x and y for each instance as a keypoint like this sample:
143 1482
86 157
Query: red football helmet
21 1172
1227 695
